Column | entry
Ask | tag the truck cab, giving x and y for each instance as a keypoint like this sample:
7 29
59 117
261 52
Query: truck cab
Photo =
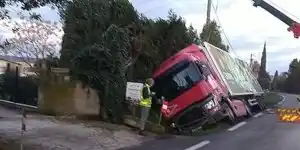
191 93
201 85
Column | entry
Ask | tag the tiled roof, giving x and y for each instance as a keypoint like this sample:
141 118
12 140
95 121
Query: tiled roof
17 59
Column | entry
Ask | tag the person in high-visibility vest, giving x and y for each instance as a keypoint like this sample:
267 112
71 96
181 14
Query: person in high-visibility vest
145 103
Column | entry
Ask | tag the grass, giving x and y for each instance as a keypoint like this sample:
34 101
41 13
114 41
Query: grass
270 99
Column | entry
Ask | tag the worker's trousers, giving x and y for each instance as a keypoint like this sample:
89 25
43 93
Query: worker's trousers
144 116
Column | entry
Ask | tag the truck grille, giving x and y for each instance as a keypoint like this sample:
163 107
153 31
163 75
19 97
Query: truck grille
193 118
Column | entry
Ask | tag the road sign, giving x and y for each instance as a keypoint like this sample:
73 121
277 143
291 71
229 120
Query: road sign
289 114
133 91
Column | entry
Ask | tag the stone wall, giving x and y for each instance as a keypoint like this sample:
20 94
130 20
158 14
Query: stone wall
86 100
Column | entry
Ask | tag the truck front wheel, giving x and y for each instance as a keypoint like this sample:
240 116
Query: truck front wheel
249 112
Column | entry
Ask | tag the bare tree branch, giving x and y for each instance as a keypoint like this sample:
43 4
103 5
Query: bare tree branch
33 39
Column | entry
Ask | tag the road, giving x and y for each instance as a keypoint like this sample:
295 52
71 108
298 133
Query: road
261 132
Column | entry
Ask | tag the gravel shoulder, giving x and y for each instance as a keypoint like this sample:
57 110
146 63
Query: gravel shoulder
45 133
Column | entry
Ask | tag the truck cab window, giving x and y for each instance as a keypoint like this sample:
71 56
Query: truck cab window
178 79
187 77
203 68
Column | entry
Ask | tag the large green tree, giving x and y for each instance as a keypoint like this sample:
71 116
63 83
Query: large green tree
101 67
280 81
263 76
288 81
292 82
165 37
84 21
211 33
274 84
96 45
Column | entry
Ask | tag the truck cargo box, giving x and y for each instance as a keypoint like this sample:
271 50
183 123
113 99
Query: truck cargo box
233 72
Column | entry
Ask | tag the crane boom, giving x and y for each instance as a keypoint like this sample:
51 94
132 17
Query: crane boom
293 25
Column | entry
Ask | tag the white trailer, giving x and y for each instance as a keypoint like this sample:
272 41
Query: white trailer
235 74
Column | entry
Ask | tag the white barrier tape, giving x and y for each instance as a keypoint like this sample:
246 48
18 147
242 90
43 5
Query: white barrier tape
18 104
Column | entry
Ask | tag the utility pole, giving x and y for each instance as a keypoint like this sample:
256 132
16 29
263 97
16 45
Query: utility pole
208 11
251 60
208 18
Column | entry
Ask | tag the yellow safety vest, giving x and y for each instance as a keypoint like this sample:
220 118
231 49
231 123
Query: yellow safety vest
146 102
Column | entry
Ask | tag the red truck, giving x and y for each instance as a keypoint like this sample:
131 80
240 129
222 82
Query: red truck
202 85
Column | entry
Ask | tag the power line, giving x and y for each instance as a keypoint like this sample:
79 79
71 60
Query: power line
218 19
217 6
226 37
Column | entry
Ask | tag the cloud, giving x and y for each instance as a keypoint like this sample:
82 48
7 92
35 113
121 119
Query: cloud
246 27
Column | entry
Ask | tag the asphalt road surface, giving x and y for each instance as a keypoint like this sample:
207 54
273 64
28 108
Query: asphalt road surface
262 132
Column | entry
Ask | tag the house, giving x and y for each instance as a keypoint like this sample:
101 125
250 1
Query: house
255 67
6 63
24 65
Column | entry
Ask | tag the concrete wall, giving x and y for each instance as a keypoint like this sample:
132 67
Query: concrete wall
56 98
64 97
86 100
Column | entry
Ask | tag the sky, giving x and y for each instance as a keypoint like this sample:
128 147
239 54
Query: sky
246 27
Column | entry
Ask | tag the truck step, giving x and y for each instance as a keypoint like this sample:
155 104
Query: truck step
252 102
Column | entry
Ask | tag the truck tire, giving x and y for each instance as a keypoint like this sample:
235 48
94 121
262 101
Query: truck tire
192 131
259 107
231 119
248 110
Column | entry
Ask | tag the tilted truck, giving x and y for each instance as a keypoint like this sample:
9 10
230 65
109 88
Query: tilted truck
201 85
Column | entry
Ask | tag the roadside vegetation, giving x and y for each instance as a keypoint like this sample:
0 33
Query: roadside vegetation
288 81
271 98
18 89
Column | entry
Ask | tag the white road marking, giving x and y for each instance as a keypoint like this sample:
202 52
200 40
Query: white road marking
258 114
237 126
283 99
197 146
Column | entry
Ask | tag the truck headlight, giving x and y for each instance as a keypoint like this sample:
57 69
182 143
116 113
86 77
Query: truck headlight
209 105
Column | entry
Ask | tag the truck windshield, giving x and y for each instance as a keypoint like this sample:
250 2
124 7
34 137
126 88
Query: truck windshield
178 79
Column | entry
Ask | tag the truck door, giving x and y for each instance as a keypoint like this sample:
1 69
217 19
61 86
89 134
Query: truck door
205 71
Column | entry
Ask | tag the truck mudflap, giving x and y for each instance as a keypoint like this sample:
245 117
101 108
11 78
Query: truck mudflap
197 116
